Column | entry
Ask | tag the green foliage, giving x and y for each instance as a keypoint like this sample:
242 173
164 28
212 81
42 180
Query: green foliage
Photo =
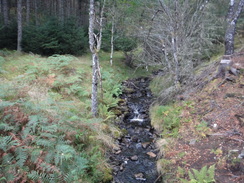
205 175
52 37
161 83
8 36
48 137
41 144
111 91
2 60
166 119
125 43
121 41
41 150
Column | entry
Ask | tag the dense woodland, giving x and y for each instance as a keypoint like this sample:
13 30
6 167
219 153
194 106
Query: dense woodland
57 107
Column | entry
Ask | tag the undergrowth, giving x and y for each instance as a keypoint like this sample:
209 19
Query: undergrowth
47 132
166 119
205 175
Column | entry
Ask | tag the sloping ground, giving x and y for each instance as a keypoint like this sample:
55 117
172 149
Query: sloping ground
47 133
212 129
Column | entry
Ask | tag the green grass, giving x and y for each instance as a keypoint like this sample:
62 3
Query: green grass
166 119
57 90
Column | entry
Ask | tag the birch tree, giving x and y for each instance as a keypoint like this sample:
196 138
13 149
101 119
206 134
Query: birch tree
233 14
177 34
95 41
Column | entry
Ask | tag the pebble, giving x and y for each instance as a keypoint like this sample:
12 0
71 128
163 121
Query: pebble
118 152
145 144
134 158
192 142
138 145
151 154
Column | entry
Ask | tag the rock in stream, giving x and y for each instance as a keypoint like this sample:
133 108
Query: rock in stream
135 160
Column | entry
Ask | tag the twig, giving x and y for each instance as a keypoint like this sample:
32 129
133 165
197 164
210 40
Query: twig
239 140
158 178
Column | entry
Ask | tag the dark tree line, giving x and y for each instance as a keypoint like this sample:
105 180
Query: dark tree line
18 18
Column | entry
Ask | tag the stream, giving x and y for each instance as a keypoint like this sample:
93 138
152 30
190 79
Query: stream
135 159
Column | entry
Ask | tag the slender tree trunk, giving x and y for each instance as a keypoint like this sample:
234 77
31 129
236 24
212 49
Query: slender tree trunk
1 6
94 106
27 12
95 60
95 48
232 17
5 12
112 42
176 61
36 12
167 60
68 8
19 21
61 10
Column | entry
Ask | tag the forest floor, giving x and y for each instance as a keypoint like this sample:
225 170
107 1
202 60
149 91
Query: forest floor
212 130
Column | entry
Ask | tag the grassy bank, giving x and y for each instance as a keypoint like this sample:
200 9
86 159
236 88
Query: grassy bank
47 131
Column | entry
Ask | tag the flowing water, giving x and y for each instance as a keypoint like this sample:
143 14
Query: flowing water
135 160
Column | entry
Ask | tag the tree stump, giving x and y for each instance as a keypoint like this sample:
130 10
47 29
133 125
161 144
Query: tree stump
225 66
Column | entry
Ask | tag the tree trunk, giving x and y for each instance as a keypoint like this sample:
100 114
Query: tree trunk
61 10
95 60
36 12
112 42
5 12
19 22
176 61
1 6
95 42
68 8
232 18
94 105
27 12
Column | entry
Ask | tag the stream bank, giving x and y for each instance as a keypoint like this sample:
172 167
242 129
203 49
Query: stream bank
135 159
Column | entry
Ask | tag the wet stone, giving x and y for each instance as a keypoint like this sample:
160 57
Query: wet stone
138 145
137 153
151 154
145 145
134 139
134 158
118 152
139 176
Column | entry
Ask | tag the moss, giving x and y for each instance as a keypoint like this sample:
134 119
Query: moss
107 175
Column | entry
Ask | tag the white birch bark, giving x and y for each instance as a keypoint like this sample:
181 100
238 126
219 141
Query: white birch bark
112 43
232 17
95 42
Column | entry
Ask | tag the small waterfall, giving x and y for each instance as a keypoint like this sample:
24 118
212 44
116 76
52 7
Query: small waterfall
137 115
135 159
